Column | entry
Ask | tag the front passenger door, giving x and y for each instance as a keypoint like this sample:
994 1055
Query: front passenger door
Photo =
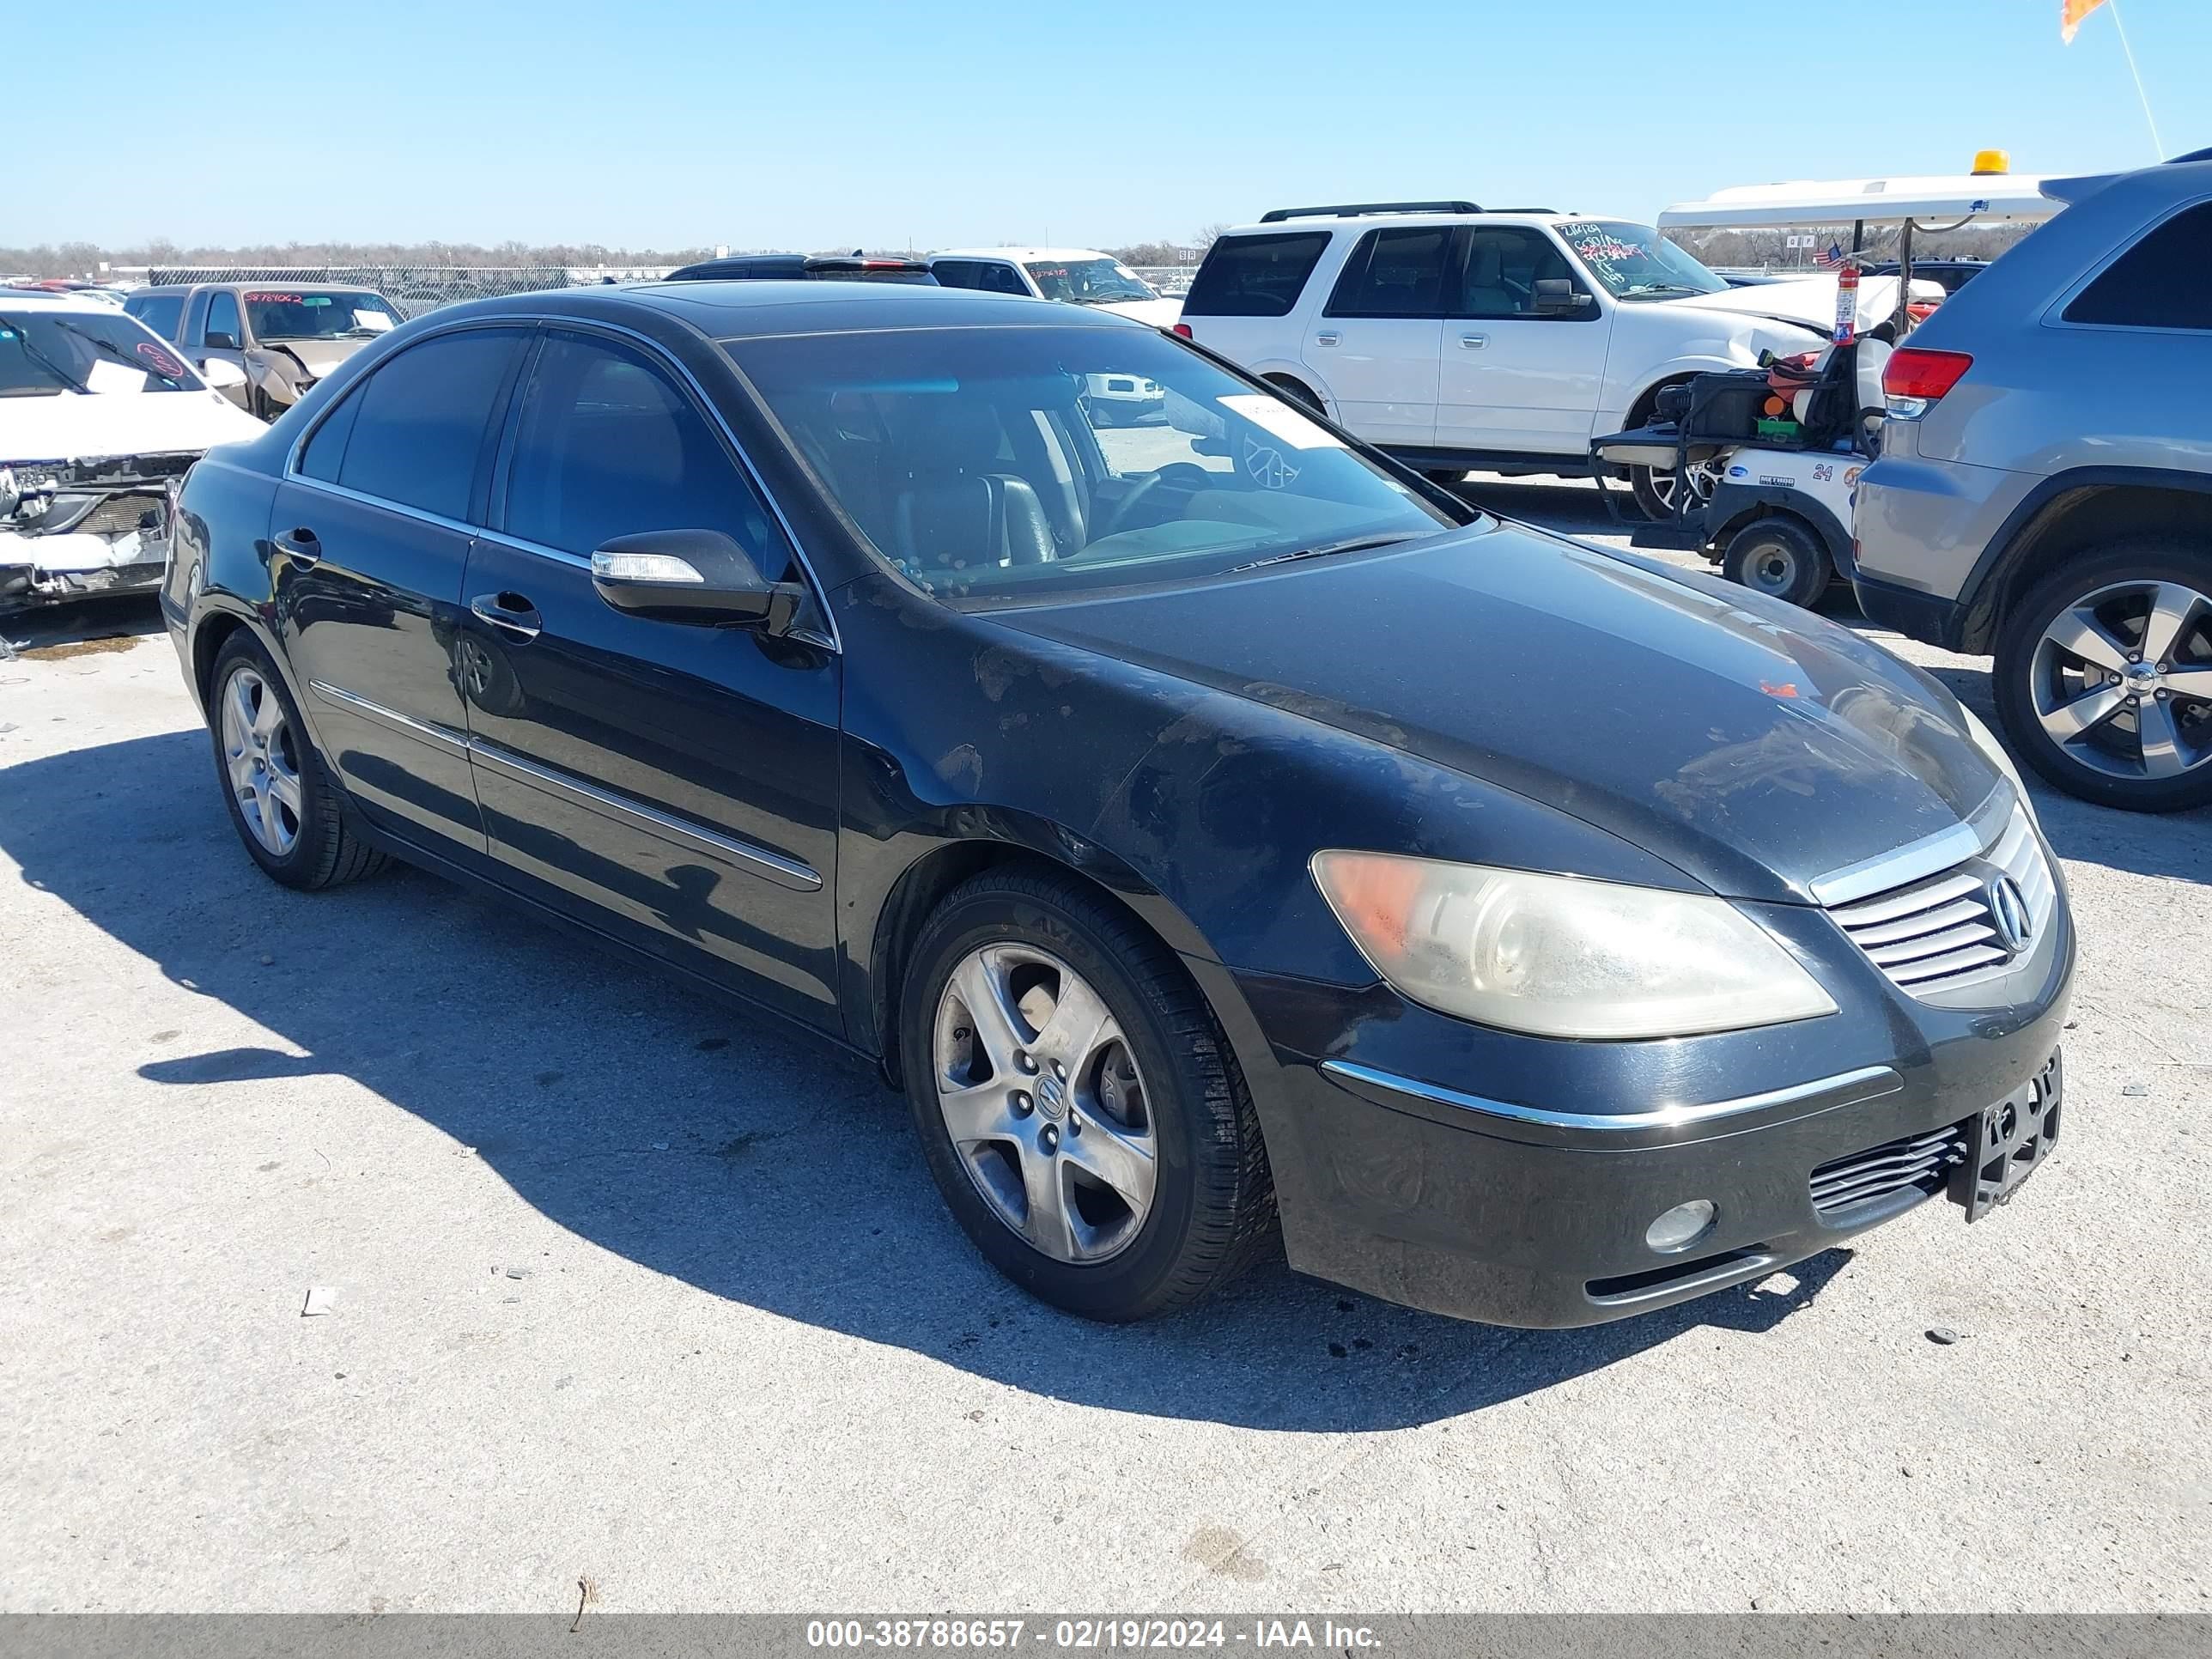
674 782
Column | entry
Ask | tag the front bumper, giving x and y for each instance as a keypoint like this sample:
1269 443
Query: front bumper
1524 1198
43 570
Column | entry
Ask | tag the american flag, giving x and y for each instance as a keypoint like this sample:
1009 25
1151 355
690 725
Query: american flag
1830 256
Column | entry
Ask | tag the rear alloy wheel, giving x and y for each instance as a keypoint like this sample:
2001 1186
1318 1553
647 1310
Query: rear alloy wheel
2103 677
1780 558
1657 491
281 802
1075 1100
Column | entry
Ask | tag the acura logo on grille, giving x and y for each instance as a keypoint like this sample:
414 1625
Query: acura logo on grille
2009 915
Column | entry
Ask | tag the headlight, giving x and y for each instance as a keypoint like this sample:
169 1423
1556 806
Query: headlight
1993 751
1556 956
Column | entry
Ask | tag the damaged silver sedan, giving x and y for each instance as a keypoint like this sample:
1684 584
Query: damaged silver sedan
98 421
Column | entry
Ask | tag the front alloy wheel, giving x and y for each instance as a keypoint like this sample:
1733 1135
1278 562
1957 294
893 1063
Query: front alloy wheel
2104 676
1075 1099
1042 1101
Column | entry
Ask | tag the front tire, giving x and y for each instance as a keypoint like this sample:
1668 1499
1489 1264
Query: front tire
281 798
1076 1102
2103 676
1781 558
1654 489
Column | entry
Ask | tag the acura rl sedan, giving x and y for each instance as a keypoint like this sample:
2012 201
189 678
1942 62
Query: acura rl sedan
1209 824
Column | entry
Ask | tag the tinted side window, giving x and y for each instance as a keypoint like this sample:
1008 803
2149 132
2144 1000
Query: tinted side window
420 428
955 273
995 278
1395 273
222 315
606 446
325 455
160 311
2158 282
1504 265
1255 276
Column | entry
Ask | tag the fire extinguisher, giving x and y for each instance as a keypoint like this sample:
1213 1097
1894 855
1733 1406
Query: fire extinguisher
1847 303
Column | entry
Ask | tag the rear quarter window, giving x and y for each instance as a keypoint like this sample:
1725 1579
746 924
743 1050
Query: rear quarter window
1255 276
2159 282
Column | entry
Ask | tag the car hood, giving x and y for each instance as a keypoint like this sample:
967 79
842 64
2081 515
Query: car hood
1810 301
73 427
1751 744
1160 314
318 357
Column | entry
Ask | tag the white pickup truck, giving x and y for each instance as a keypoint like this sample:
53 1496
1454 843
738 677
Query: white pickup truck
1459 338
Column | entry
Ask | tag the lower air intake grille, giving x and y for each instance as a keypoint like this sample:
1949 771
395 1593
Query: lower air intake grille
1922 1161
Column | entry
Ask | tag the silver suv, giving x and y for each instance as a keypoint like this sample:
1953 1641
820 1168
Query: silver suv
2044 489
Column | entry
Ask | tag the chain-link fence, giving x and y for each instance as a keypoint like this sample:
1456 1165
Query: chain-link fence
413 289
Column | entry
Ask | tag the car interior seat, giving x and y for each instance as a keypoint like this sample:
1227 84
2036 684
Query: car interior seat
955 504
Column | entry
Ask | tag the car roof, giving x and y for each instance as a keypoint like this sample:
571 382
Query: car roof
737 310
48 299
1019 253
1366 219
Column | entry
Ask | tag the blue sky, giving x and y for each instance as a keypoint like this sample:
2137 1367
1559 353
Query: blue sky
676 122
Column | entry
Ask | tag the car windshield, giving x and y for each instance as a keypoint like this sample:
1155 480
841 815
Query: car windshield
1635 262
1087 282
49 354
997 466
294 313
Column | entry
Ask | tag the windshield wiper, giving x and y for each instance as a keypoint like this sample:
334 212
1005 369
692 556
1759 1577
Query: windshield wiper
1356 545
116 352
1664 287
23 339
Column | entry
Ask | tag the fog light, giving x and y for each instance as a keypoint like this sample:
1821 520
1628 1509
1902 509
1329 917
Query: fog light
1682 1226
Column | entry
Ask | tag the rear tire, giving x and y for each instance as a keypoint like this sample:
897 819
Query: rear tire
1297 392
281 798
1208 1204
2063 674
1781 558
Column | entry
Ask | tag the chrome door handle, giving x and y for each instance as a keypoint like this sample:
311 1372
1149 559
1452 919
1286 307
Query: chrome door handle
1328 337
1474 342
519 618
300 545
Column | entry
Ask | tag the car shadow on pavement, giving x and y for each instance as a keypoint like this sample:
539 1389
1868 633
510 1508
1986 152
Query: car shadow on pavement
713 1145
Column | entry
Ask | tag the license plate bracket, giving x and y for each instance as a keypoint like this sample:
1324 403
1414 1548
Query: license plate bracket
2008 1142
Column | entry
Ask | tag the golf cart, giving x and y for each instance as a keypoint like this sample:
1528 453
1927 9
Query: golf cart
1765 460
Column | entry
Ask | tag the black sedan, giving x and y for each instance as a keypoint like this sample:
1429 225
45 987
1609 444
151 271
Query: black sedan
1207 822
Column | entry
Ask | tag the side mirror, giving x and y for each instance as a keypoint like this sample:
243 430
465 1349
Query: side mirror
1558 296
222 374
699 576
216 340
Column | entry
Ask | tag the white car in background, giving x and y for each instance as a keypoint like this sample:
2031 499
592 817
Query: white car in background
1077 276
100 419
1460 339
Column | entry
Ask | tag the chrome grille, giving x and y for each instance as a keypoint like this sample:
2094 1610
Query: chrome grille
1937 933
1922 1161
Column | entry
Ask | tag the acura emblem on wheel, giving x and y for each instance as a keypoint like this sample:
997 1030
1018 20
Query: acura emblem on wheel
2009 915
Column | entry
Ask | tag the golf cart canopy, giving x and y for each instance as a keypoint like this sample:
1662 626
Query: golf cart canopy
1969 198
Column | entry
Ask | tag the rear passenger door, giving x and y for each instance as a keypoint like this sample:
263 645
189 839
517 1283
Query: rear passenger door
674 782
369 535
1377 342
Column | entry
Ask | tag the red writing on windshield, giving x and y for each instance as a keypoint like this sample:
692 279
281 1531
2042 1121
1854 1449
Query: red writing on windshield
161 361
272 299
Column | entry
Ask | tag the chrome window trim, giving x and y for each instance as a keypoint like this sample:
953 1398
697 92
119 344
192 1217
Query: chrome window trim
1927 856
1870 1083
783 871
832 640
443 737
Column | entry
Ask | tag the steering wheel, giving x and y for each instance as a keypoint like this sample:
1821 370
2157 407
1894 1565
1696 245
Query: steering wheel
1181 474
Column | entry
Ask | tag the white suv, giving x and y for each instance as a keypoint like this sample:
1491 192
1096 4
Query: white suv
1080 275
1460 339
